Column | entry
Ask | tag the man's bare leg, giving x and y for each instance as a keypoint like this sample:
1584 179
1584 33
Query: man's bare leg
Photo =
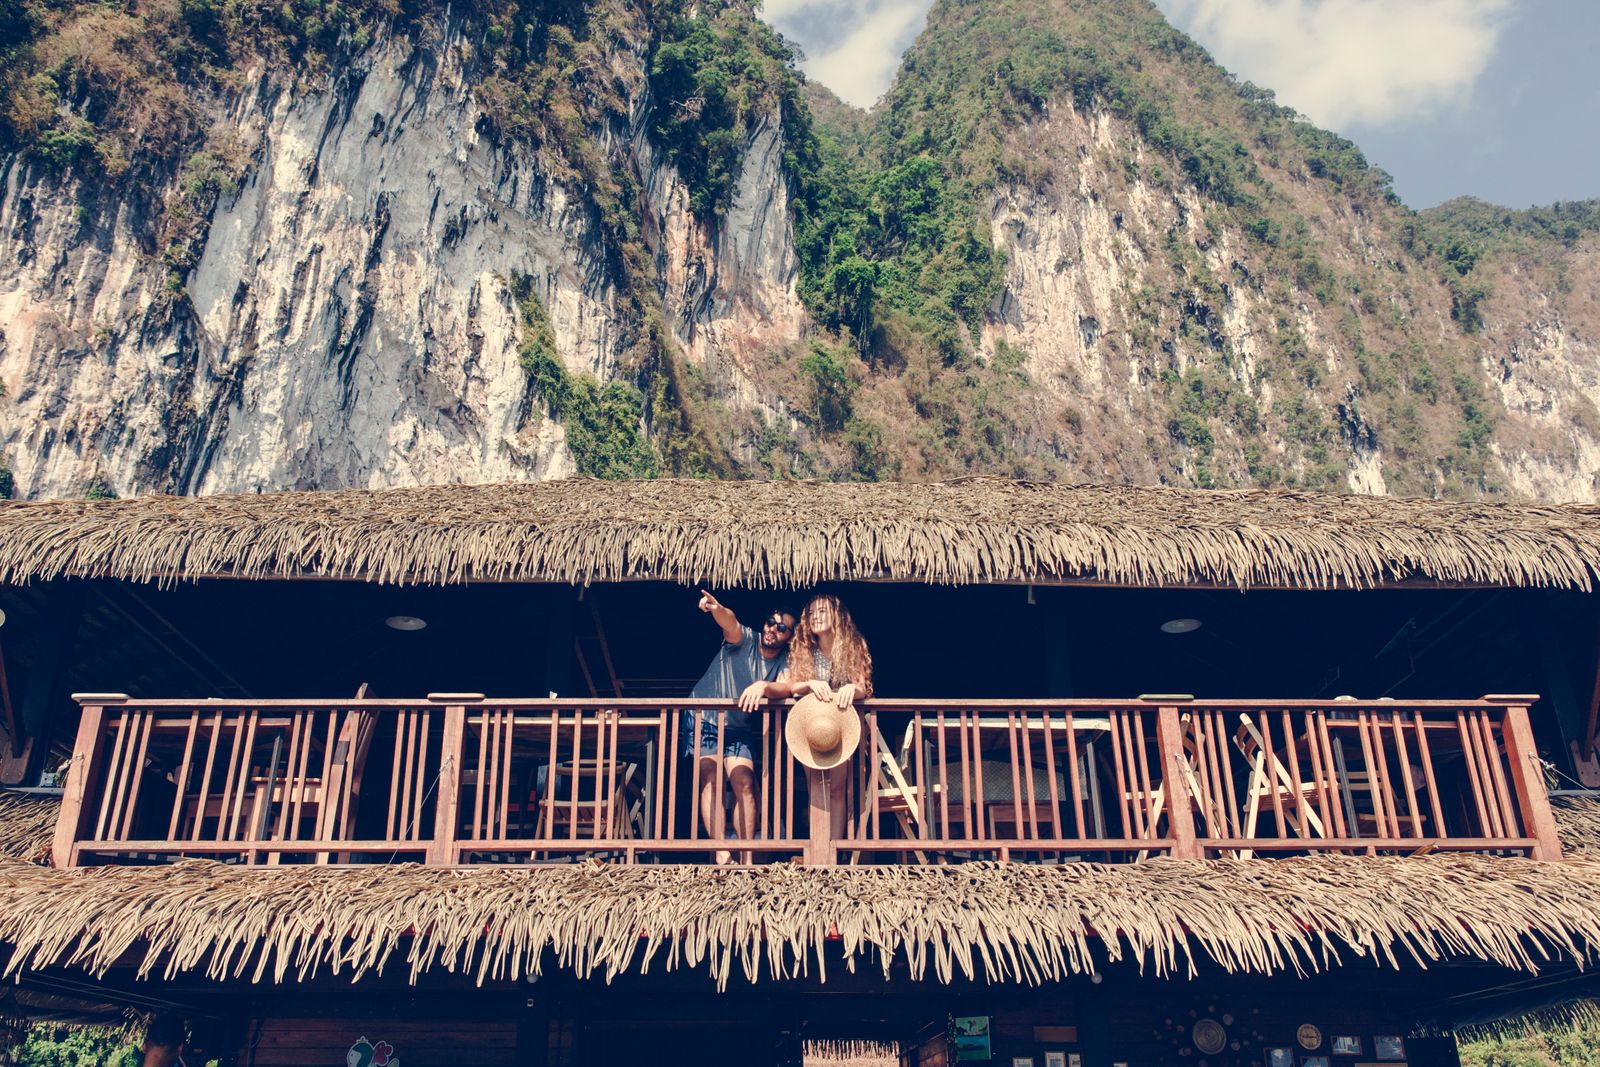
710 799
742 780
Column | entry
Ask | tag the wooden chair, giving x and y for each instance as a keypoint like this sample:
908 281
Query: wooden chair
562 803
1272 782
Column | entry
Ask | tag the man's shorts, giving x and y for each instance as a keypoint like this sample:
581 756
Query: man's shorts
738 742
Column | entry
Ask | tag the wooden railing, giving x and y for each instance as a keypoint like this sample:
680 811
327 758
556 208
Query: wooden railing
457 779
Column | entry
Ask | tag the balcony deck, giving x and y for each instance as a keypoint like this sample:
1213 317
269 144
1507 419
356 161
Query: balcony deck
457 779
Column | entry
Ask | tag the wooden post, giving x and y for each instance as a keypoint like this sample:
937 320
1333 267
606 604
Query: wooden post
1527 779
446 818
1180 809
819 850
85 761
442 852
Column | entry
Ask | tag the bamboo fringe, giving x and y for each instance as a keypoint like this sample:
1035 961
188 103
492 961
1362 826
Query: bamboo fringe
802 533
27 825
978 920
1578 821
851 1053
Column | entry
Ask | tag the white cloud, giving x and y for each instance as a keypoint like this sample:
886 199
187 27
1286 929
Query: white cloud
852 46
1351 61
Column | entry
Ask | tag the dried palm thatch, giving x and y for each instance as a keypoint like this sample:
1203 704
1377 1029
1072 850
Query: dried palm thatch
1578 820
27 824
800 533
995 921
824 1053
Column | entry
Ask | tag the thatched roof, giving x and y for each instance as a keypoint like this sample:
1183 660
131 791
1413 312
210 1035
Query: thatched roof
993 921
1577 820
27 825
800 533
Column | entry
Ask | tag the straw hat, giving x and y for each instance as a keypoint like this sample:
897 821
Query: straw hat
821 734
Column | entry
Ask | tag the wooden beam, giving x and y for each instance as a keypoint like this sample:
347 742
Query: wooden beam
1180 809
85 759
1527 778
442 852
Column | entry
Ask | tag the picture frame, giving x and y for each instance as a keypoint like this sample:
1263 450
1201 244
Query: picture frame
971 1037
1074 1059
1278 1056
1055 1059
1022 1061
1390 1048
1318 1060
1346 1045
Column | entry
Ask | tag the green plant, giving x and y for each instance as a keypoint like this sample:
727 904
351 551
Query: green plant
604 423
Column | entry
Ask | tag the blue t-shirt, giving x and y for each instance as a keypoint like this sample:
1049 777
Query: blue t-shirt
732 671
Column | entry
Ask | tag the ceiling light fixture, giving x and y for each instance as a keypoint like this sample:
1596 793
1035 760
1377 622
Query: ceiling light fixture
1180 626
405 622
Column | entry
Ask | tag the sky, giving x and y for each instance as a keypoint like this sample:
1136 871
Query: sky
1489 98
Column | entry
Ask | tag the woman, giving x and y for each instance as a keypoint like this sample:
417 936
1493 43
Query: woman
828 657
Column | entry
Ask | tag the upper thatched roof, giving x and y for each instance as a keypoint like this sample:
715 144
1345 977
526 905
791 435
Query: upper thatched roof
800 533
981 920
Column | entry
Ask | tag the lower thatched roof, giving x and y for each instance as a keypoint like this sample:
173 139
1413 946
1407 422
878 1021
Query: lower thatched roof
994 921
801 533
27 824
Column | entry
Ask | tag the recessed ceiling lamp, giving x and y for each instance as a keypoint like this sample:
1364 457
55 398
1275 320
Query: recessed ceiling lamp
1180 626
405 622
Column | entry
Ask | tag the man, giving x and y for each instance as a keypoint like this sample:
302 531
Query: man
740 671
163 1042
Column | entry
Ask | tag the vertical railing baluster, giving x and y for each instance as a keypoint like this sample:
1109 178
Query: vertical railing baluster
1016 774
548 815
1074 781
975 737
1426 756
1293 752
442 852
1338 782
1374 775
1475 774
1027 768
1497 774
141 726
601 798
1406 780
663 754
671 797
944 783
1142 762
114 763
1269 769
182 784
1131 826
246 752
577 773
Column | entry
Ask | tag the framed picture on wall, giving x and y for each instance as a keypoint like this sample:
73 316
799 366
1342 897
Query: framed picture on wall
1346 1045
1282 1056
1074 1059
1022 1061
1055 1059
1315 1061
1390 1047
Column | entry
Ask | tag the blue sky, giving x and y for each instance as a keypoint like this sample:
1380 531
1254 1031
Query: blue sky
1490 98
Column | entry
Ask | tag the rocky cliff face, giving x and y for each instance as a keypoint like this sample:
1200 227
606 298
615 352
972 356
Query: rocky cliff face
1194 288
349 320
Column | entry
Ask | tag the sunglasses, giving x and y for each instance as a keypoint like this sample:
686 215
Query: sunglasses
778 625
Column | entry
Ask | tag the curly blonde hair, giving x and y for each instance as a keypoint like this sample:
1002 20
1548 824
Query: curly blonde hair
851 660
